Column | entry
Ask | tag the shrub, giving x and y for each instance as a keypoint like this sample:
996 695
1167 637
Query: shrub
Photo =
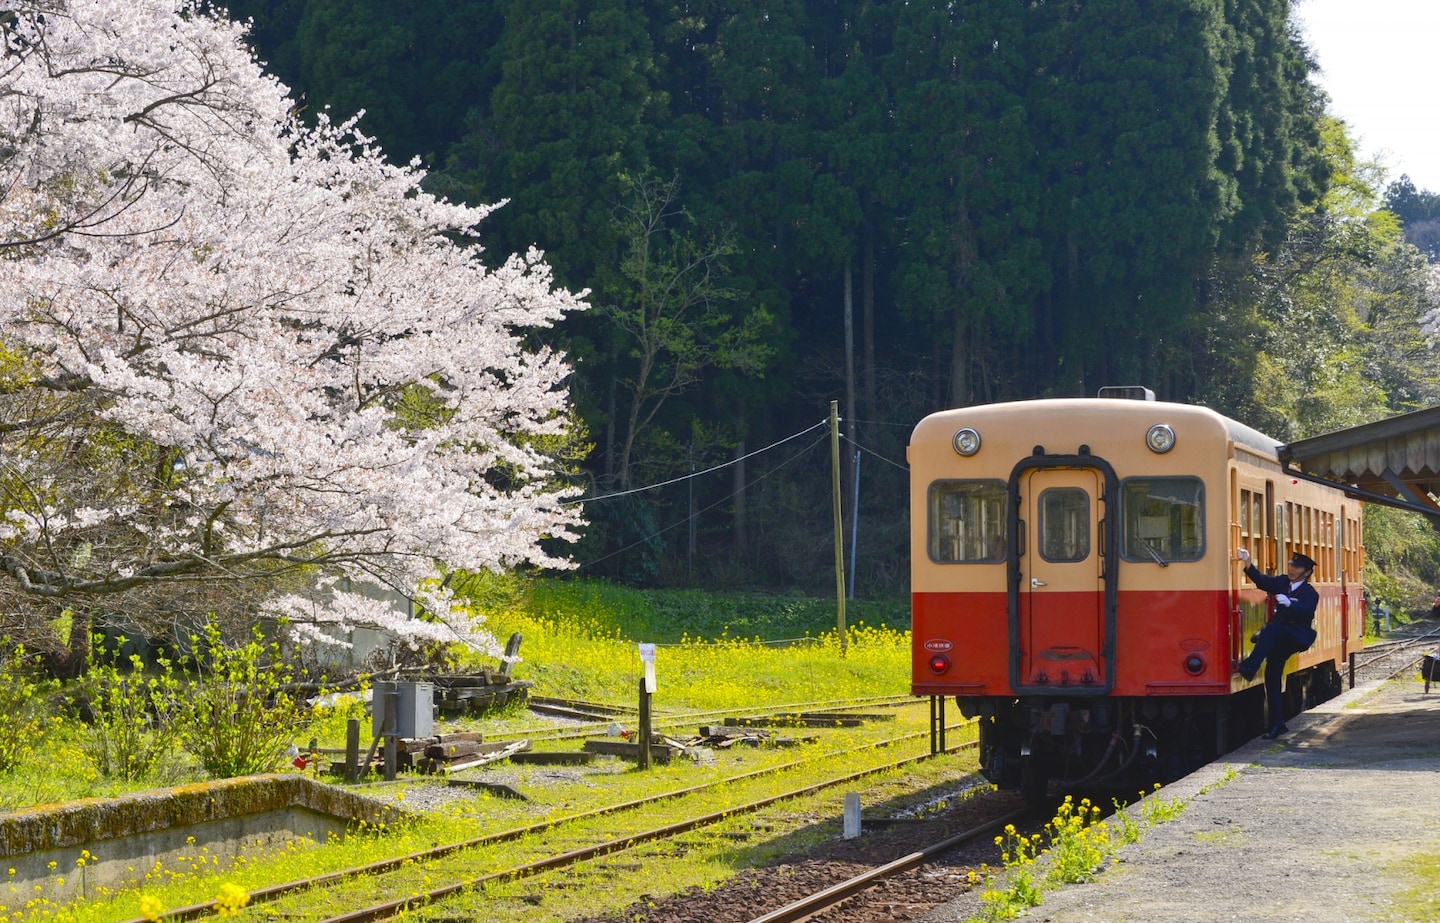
24 712
237 717
132 717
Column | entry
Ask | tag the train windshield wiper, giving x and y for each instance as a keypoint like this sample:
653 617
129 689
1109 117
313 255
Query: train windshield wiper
1154 554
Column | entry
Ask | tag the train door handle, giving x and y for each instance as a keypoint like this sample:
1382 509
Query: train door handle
1036 581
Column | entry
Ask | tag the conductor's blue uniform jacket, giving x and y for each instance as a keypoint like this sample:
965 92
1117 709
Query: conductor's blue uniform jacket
1297 617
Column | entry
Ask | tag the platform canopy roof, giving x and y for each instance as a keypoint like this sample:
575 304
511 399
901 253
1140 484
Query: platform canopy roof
1395 461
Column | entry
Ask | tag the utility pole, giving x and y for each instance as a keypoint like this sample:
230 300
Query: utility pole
839 524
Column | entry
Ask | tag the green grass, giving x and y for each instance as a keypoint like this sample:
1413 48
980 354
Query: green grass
714 652
1420 901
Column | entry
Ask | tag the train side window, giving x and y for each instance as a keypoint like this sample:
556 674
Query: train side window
967 522
1257 516
1332 545
1249 529
1162 517
1064 524
1272 523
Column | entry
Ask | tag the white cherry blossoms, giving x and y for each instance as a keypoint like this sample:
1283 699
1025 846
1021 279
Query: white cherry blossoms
232 346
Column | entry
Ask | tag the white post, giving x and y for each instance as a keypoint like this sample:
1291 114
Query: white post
852 815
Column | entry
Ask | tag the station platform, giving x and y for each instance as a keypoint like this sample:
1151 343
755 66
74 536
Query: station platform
1339 820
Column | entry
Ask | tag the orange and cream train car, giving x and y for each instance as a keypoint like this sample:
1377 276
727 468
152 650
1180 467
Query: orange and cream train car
1075 586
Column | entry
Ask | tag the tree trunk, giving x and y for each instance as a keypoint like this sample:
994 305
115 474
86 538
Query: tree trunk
610 438
71 662
737 487
867 313
849 352
959 362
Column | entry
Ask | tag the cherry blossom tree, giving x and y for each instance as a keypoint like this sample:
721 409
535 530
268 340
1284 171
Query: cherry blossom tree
1430 323
237 351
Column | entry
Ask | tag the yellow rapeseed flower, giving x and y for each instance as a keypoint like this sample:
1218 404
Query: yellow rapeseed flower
231 898
150 907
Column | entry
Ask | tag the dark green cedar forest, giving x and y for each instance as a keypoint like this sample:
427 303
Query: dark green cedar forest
902 206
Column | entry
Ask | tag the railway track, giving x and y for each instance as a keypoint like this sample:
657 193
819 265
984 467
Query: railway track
595 717
391 909
835 895
430 864
1386 659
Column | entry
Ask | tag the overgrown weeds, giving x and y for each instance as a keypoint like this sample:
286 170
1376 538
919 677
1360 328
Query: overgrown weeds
237 717
23 708
1076 843
132 728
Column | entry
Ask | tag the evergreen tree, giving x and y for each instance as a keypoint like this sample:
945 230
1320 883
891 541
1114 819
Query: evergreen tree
569 124
1419 213
971 266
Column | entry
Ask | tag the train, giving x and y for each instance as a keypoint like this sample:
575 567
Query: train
1075 586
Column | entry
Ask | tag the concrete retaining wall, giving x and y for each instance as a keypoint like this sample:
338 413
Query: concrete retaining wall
128 836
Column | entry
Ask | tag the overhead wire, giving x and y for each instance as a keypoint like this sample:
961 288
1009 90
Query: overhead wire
640 541
869 451
695 474
720 467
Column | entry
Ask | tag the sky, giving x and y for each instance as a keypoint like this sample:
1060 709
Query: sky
1374 58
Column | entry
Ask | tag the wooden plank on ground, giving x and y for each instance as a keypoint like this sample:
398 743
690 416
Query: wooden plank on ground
628 750
495 788
554 758
505 751
781 721
720 730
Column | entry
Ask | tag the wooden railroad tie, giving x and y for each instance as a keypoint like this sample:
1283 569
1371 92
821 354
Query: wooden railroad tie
445 753
799 719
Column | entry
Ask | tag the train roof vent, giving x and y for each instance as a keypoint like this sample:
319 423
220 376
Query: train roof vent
1128 393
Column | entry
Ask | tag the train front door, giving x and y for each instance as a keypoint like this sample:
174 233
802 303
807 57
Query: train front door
1061 626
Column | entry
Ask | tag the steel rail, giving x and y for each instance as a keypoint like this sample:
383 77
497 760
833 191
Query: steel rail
274 892
1397 646
391 909
807 907
668 720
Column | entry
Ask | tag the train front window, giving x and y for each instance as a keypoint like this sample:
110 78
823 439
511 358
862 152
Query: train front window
967 522
1064 524
1164 519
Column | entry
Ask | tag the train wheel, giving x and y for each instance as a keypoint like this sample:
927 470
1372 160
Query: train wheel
1034 784
1325 684
1247 715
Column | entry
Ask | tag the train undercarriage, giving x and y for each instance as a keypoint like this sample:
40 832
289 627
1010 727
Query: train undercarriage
1121 745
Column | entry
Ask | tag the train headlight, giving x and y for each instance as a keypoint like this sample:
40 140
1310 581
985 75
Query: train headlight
939 663
1194 664
967 442
1160 438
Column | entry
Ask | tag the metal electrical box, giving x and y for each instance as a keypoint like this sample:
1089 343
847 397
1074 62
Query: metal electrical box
414 709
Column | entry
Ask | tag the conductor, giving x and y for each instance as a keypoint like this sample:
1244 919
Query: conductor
1288 632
